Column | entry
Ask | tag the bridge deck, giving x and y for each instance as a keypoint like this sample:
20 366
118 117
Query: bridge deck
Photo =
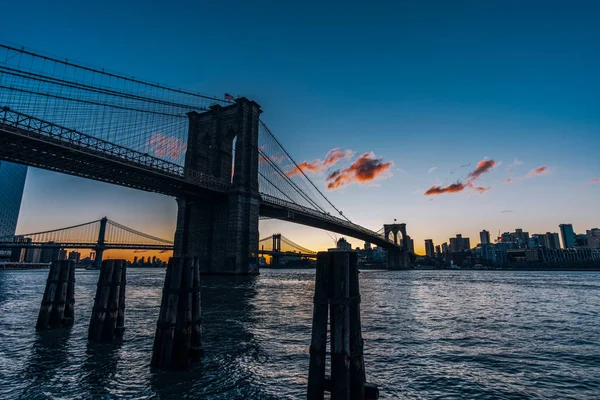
30 141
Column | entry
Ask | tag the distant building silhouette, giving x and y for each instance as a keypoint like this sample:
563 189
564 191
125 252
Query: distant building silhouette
552 241
429 248
593 238
484 237
343 244
459 243
567 235
12 182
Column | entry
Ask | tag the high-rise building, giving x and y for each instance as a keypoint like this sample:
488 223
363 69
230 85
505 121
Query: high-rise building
593 238
343 244
484 237
567 235
540 238
12 182
459 243
519 237
410 244
429 248
445 248
438 251
552 240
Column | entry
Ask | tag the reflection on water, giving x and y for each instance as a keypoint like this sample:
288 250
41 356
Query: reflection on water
428 334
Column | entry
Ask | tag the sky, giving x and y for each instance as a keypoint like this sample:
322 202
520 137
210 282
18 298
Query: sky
476 114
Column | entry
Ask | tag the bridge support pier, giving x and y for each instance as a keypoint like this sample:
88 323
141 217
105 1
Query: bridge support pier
108 315
58 304
397 259
179 328
222 230
99 249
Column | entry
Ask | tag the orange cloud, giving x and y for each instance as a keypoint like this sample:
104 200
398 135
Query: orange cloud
483 166
537 171
162 145
365 169
508 180
335 155
594 180
481 189
315 166
453 188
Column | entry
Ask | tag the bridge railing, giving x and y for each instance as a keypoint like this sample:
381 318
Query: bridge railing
328 217
27 125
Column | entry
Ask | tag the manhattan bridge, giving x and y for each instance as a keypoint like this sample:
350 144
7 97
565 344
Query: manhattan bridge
216 157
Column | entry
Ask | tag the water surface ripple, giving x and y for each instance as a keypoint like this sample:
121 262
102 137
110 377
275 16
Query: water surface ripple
428 335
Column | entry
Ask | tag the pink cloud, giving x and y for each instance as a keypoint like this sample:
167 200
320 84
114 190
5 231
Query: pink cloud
537 171
331 158
482 167
162 145
365 169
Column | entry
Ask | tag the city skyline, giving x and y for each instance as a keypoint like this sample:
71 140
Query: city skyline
502 140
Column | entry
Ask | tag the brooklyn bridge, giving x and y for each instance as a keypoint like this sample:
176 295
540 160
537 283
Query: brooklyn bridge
216 157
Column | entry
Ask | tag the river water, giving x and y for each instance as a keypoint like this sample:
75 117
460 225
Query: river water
428 335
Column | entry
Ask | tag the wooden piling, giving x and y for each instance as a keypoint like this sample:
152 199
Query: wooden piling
69 316
357 363
336 285
121 312
104 319
196 337
340 325
318 343
57 296
178 330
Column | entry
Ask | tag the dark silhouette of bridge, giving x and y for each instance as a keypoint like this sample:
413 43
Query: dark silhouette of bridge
99 235
216 157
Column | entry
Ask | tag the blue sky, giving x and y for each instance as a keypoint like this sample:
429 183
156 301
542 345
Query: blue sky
421 83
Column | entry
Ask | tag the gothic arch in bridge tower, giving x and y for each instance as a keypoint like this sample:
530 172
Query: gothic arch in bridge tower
398 257
222 230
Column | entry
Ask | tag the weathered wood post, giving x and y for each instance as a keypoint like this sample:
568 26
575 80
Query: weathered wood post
103 323
121 311
336 284
69 317
318 343
58 296
178 330
340 324
357 362
196 351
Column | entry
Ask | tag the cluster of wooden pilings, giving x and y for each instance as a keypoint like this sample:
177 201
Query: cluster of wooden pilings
177 342
179 329
108 315
58 304
337 296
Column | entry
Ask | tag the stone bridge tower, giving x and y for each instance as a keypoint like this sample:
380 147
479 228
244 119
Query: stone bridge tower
397 258
222 229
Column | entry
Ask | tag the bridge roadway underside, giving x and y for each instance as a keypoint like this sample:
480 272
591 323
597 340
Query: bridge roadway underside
309 219
22 147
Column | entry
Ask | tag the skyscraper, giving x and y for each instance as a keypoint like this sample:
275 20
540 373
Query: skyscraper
484 237
12 182
429 248
552 240
567 235
459 243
